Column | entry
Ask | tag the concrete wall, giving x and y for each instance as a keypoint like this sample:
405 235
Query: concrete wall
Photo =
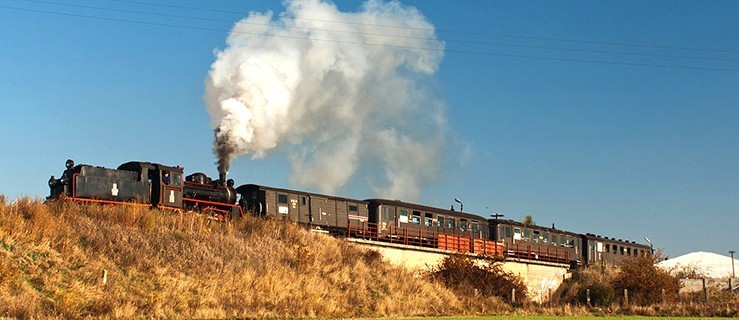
696 285
540 278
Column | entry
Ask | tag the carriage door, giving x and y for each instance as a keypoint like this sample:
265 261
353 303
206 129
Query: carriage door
388 219
319 209
303 209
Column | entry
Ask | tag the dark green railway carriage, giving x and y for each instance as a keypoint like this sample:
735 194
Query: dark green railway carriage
317 210
393 213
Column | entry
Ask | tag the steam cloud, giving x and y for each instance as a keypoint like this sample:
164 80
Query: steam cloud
340 92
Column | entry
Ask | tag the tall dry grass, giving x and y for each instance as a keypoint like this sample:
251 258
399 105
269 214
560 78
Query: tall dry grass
53 258
159 264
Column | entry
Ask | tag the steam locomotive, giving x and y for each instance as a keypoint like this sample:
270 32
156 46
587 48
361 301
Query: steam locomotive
391 221
147 184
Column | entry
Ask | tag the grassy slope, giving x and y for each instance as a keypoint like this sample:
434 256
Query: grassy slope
159 264
53 258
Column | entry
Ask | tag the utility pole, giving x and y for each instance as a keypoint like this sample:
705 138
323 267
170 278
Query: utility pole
732 252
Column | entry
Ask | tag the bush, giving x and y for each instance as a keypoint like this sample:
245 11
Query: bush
602 294
645 281
467 277
639 275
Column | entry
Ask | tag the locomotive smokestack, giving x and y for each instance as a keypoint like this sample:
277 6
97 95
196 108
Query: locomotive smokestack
222 178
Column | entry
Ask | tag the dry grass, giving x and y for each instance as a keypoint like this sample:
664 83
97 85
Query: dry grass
644 282
165 265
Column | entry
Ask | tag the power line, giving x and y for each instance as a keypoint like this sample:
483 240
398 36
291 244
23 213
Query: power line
387 35
373 44
528 37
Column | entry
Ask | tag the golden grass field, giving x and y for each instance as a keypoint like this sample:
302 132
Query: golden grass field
62 260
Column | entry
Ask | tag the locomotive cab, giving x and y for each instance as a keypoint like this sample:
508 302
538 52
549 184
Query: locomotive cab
166 182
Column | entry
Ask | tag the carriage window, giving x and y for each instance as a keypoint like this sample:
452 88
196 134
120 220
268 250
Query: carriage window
526 234
507 232
463 224
428 219
608 247
563 241
628 251
516 233
440 222
452 223
352 208
536 236
546 237
403 216
475 226
554 239
282 198
416 217
571 243
304 201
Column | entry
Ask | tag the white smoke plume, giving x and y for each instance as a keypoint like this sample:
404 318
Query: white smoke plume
337 91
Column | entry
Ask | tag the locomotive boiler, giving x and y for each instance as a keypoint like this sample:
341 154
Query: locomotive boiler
217 196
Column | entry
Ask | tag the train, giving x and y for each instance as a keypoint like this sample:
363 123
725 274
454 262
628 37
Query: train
382 220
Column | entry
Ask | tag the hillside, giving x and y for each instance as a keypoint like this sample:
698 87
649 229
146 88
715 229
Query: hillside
54 258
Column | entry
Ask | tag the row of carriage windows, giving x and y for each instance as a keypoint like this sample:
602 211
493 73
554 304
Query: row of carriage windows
536 236
282 198
623 250
427 219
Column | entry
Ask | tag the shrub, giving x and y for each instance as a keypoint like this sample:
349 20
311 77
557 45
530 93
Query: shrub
470 278
645 281
597 279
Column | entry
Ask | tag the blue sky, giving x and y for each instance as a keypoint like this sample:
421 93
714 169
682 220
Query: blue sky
616 118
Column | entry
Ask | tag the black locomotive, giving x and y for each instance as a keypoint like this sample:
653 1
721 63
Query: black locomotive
392 221
148 184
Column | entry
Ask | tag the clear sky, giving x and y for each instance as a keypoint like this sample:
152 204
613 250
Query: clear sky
619 118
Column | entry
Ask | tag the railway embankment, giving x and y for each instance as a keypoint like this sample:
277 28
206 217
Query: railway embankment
63 260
